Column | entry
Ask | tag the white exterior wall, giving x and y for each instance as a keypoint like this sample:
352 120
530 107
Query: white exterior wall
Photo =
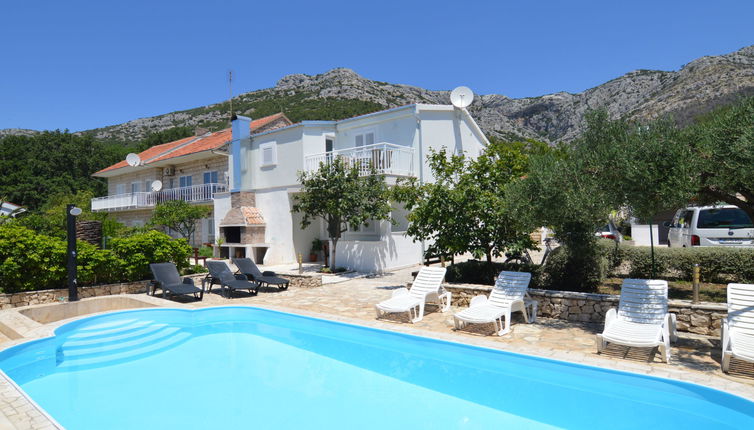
276 209
393 251
418 127
290 159
640 234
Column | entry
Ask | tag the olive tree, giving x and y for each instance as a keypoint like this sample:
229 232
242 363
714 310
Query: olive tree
341 197
723 148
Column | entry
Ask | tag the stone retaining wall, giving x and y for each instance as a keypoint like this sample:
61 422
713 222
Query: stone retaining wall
27 298
701 318
303 280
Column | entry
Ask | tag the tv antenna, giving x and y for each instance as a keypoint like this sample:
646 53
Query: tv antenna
156 185
461 97
230 93
133 160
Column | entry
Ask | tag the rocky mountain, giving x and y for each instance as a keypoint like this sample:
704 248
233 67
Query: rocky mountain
696 88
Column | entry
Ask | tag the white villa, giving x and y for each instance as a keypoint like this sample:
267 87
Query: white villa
253 214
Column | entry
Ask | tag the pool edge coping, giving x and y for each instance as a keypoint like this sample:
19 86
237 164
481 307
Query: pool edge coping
573 357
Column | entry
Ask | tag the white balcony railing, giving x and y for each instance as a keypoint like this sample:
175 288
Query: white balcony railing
387 159
195 193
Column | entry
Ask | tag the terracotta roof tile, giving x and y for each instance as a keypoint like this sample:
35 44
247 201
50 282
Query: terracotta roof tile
193 144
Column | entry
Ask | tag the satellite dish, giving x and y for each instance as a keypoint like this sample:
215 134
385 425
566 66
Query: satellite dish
133 160
156 185
461 97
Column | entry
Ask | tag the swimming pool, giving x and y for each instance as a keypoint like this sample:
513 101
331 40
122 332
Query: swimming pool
243 367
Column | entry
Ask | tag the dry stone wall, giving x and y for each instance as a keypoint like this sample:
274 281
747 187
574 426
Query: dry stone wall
701 318
27 298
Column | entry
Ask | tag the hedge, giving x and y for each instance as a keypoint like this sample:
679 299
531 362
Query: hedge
30 261
716 264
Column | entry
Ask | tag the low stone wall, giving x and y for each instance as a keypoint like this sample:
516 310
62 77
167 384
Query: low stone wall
701 318
303 280
27 298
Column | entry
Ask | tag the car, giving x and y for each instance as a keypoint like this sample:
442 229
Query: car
610 231
718 225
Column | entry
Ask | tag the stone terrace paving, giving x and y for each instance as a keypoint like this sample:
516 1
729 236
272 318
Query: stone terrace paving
694 358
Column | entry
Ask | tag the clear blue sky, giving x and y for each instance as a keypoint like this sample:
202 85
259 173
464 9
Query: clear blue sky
80 65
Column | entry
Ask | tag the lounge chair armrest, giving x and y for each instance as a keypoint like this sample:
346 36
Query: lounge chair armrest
400 292
610 316
269 273
241 277
478 300
725 334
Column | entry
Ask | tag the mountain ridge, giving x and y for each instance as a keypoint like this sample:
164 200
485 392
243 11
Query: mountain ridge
694 89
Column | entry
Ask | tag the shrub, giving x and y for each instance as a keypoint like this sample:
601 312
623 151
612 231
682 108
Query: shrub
137 251
196 268
482 272
32 261
205 251
716 264
581 270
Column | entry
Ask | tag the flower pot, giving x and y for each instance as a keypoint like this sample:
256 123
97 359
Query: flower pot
313 257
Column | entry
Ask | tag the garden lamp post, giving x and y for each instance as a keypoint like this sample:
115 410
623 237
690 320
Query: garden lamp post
71 212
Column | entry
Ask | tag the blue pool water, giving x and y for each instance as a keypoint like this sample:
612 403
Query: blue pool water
240 367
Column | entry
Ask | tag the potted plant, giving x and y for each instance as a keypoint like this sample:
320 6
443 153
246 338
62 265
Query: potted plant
216 251
316 248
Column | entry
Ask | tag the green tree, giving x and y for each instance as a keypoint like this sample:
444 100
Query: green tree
50 219
463 209
338 195
723 148
568 190
180 216
35 167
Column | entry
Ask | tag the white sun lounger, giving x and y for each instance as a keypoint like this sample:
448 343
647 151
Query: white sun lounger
642 319
505 298
426 288
738 327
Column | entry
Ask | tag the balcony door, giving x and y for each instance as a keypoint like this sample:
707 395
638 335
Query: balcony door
184 182
209 190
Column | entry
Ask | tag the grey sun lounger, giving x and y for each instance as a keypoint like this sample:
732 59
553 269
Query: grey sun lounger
167 278
250 269
220 273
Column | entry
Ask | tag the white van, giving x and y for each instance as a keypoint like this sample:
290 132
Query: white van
711 226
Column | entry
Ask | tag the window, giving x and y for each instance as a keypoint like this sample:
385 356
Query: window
120 189
210 177
134 187
723 218
171 183
328 144
365 139
184 181
148 185
269 156
399 214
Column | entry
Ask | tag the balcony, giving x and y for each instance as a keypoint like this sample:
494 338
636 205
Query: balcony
193 194
387 159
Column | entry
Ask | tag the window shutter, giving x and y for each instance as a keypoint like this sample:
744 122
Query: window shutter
360 140
369 137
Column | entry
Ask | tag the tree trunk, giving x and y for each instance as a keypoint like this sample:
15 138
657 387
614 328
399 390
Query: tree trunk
334 241
489 256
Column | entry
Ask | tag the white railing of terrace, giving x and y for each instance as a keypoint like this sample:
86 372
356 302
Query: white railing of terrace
194 193
387 159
